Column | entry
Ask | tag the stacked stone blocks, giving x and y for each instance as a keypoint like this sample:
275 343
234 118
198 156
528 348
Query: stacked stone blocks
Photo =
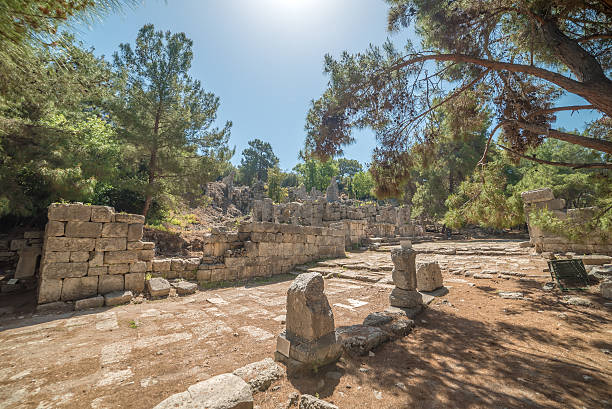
91 250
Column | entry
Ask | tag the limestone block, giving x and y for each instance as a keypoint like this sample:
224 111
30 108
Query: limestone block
429 276
79 256
97 271
606 289
135 232
538 195
260 375
204 276
405 298
148 245
177 264
93 302
115 230
49 290
129 218
69 212
79 288
120 257
192 264
69 244
118 268
117 298
226 391
134 245
138 267
57 257
146 255
135 282
103 214
64 270
110 283
83 229
161 265
111 244
96 259
18 244
54 228
309 315
185 287
28 260
158 287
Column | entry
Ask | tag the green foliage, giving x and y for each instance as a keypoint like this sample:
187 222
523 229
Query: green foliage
275 190
315 173
255 162
362 185
165 116
597 226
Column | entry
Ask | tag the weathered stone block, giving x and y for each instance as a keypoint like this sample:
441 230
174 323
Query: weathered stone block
120 257
102 214
134 245
110 283
78 288
161 265
129 218
311 402
114 230
69 212
79 256
28 260
18 244
97 271
146 255
204 276
178 264
111 244
69 244
54 228
57 257
64 270
158 287
49 290
606 289
83 229
93 302
135 282
96 259
538 195
405 298
117 298
138 267
135 232
118 268
429 276
185 287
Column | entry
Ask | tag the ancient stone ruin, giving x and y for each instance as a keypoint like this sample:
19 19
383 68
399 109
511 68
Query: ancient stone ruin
310 337
405 294
545 241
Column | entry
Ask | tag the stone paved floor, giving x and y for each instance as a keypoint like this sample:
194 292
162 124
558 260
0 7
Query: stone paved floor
137 355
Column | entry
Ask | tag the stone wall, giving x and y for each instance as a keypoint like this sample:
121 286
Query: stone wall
266 249
91 250
545 241
377 221
19 260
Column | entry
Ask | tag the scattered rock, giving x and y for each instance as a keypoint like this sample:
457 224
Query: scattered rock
158 287
377 319
402 386
94 302
117 298
405 298
226 391
185 287
511 295
549 286
577 301
310 402
360 339
260 375
606 289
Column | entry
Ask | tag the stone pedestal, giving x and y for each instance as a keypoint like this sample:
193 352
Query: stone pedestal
310 338
404 295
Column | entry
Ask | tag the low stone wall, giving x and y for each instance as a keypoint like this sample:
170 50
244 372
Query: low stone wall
91 250
266 249
545 241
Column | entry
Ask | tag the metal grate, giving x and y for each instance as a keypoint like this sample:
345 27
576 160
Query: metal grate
570 274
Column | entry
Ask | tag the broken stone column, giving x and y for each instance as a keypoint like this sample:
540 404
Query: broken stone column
429 276
310 339
404 295
332 191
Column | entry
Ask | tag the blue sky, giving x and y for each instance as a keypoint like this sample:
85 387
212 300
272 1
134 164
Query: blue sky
264 58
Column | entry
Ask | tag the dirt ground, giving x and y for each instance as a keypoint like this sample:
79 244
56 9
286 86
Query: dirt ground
470 348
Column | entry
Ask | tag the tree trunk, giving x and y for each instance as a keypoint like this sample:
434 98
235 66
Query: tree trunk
149 194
